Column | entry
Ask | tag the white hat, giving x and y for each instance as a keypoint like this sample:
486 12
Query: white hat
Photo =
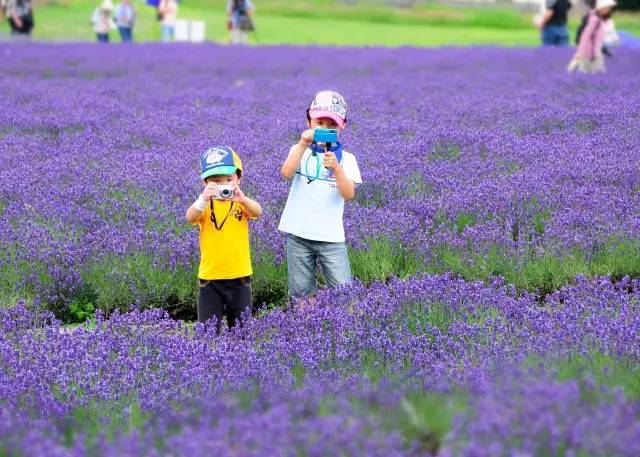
605 3
106 5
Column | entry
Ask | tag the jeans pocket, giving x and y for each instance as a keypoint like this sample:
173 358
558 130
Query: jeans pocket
203 282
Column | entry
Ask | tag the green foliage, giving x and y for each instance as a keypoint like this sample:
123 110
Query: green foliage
549 272
118 282
465 220
96 419
601 368
383 259
372 193
542 273
414 184
444 150
426 417
604 369
281 21
80 309
539 221
372 365
269 282
617 259
299 372
419 315
12 277
630 5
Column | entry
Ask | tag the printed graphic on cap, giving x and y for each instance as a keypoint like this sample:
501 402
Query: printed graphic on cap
330 101
215 155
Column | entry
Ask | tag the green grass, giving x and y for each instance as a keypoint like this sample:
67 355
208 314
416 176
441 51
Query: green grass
543 273
298 21
382 259
600 368
118 282
426 417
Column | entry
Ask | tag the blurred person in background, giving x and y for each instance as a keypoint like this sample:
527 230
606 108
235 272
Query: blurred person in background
611 37
168 10
20 16
240 22
125 17
589 56
102 22
553 22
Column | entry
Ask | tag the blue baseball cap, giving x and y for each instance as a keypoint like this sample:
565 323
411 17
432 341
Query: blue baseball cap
219 160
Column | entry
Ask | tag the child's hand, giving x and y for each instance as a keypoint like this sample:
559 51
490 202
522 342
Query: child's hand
330 160
209 191
238 195
306 138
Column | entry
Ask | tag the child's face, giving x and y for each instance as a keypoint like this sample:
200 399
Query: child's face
604 12
222 179
324 123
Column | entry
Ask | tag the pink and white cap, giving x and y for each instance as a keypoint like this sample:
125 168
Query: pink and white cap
328 103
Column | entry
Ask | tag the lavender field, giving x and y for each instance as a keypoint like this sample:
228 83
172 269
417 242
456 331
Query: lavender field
495 242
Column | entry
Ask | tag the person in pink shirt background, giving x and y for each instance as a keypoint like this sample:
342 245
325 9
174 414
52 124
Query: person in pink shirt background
589 57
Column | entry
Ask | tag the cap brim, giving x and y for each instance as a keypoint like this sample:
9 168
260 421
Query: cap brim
317 114
223 170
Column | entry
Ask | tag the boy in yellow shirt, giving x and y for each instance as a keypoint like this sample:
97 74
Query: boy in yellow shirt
222 213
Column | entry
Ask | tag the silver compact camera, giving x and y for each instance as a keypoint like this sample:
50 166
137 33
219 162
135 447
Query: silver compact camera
224 192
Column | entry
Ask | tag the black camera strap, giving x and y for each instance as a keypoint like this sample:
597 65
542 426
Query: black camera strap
213 216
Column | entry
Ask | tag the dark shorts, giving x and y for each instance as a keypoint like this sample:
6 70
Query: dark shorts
219 297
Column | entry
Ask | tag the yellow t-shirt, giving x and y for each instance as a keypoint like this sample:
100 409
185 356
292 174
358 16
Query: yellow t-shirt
224 253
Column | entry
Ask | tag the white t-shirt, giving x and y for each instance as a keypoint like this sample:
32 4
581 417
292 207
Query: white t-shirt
314 207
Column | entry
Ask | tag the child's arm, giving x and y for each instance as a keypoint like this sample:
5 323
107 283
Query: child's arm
252 207
346 186
194 213
290 165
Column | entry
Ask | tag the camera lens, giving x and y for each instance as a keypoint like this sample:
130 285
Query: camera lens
225 193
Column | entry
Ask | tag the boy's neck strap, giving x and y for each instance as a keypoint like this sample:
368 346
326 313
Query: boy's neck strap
213 215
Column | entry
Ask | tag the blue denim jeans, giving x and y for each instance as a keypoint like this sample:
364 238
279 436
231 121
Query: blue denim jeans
126 34
302 255
555 35
168 33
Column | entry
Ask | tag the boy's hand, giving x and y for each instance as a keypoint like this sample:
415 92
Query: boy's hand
209 191
306 138
330 160
238 195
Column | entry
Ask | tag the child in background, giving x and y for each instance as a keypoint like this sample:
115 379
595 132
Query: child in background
102 22
240 22
312 217
611 37
125 19
222 213
589 56
168 10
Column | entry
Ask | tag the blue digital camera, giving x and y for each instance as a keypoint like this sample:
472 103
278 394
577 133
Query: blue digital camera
325 136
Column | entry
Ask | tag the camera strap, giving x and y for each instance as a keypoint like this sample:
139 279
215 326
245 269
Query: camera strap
310 179
213 216
315 149
335 148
